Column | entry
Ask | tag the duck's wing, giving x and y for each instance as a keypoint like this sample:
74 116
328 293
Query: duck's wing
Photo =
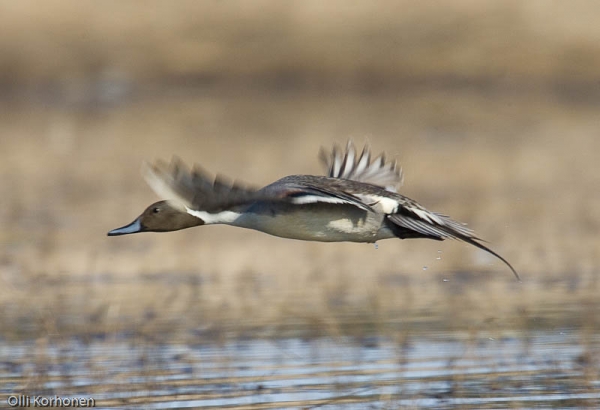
347 164
309 189
195 188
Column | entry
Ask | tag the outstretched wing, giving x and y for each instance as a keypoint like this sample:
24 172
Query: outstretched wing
308 189
346 164
195 188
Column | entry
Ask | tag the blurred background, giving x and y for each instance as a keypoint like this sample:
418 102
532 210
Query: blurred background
492 109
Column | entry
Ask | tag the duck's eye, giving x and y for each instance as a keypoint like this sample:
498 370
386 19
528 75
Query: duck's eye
156 210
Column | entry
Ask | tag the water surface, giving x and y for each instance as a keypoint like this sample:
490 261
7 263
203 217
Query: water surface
544 369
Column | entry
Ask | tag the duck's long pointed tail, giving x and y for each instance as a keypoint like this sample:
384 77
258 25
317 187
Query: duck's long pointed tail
414 221
473 241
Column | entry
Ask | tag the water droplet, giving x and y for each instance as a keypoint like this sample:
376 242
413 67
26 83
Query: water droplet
439 251
438 258
445 280
425 268
376 245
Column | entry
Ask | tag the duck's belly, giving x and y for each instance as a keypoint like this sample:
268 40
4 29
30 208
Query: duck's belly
318 223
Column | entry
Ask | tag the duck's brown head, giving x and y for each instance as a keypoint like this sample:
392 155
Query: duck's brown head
163 216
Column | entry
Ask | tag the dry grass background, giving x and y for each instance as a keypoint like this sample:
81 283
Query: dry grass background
491 108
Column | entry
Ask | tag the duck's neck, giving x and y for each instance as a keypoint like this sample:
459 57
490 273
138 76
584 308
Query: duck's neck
223 217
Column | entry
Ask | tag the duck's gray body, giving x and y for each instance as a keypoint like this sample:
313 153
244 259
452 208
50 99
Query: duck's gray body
327 222
356 202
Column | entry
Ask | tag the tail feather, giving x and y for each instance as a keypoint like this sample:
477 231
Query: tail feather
440 227
473 241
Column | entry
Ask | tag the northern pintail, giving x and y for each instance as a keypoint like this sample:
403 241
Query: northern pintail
357 201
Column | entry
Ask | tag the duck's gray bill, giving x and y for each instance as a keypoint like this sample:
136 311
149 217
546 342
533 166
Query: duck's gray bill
133 227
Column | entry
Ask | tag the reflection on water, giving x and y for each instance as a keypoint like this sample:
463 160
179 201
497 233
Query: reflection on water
445 370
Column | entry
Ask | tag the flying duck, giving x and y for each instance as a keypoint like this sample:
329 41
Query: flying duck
357 202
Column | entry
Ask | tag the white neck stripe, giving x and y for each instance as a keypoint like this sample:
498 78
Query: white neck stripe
223 217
